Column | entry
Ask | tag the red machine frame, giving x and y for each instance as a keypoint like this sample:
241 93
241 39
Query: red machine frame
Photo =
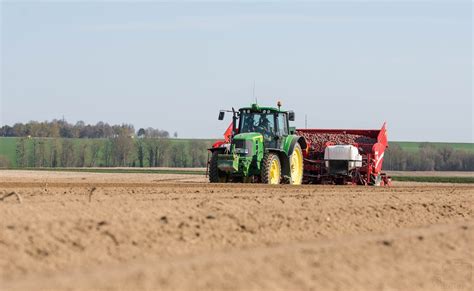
315 171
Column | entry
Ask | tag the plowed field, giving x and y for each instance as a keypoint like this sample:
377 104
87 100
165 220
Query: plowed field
83 231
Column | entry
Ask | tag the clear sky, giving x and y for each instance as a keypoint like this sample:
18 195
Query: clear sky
351 64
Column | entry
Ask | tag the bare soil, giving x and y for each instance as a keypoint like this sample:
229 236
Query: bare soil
86 231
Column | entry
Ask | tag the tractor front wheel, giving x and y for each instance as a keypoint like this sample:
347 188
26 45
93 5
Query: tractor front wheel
216 175
271 169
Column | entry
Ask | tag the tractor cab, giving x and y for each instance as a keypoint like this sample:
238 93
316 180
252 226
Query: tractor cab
271 123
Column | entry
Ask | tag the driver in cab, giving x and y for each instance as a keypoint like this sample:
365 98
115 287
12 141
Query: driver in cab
264 127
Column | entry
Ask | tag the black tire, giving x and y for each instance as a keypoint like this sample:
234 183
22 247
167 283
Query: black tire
268 160
339 181
215 175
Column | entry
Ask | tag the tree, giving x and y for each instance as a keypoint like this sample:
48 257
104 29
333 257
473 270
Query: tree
54 129
78 128
55 153
140 151
82 155
66 131
94 150
198 153
6 131
67 155
108 153
395 158
19 129
42 154
179 156
162 146
154 132
122 146
141 132
150 151
61 128
21 158
33 153
445 153
155 151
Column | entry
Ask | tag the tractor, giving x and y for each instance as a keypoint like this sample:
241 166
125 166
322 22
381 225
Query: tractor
260 147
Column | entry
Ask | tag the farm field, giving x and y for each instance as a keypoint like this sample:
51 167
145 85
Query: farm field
411 146
402 176
116 231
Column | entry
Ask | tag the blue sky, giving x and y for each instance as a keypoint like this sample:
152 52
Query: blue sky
352 64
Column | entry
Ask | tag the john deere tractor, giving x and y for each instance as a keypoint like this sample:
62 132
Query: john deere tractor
261 148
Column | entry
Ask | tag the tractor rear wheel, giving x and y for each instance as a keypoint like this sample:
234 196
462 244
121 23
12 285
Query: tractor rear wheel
296 165
271 169
216 175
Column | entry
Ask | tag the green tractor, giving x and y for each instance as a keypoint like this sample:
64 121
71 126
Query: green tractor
261 147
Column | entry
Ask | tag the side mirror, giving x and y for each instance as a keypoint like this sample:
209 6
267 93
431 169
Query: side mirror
221 115
291 116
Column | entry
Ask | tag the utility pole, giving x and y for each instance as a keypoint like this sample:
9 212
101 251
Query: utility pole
306 121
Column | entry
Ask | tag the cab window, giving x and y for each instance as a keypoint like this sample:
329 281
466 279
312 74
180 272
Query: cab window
263 123
282 124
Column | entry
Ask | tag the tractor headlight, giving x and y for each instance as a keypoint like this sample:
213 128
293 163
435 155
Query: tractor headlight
241 151
242 147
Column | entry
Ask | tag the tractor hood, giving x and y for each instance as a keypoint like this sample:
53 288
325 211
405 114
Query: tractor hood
249 136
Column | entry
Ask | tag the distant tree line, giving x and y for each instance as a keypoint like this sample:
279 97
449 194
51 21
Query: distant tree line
428 158
119 151
130 151
61 128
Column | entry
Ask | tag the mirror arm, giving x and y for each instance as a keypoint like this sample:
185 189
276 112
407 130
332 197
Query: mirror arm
234 122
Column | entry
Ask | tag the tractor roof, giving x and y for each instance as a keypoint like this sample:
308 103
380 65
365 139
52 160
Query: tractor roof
256 108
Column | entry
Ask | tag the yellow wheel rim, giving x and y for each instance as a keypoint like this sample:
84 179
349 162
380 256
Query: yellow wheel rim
275 172
297 166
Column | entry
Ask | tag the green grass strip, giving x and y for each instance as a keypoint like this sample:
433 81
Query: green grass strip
433 179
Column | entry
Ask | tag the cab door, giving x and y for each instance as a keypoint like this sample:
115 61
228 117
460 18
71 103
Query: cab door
282 130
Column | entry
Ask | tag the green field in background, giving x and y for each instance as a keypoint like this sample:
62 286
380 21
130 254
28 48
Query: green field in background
410 146
8 148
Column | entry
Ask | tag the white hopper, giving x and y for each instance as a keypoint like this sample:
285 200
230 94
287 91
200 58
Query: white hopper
343 153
